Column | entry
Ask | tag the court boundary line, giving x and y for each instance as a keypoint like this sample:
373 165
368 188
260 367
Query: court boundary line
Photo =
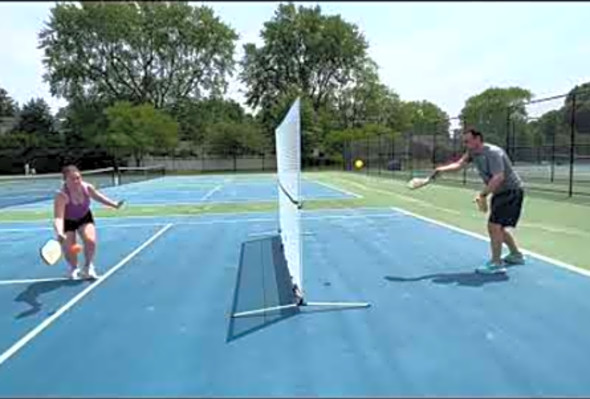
334 188
209 193
34 280
196 215
555 262
227 220
12 350
199 202
40 228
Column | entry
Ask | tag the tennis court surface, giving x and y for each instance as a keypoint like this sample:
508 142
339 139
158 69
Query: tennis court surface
158 321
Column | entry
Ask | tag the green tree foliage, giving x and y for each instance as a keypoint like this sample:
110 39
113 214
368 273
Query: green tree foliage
426 118
8 107
302 49
232 139
195 117
492 110
143 52
581 116
36 119
137 129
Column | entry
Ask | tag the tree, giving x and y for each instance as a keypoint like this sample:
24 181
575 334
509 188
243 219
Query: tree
303 50
36 119
8 107
137 129
492 110
426 118
366 100
582 110
195 117
143 52
234 139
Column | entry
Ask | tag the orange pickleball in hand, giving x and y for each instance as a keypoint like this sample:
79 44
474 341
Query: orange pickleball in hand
76 249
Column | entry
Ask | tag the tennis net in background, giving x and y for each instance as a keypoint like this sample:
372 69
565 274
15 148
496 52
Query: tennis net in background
288 150
130 174
21 189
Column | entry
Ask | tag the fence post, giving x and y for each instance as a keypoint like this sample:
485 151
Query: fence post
411 153
379 149
392 157
553 154
368 148
508 132
434 146
572 144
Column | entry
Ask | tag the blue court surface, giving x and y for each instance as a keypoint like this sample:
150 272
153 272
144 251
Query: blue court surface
193 190
157 322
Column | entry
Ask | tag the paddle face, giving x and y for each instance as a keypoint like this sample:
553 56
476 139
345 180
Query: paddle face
418 182
51 252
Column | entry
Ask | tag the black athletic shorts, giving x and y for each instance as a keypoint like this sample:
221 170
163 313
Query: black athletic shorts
73 225
507 207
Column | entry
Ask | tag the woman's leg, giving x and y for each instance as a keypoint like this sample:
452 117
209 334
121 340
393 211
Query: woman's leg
88 234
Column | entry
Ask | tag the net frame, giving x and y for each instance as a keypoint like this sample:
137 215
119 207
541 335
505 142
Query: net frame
288 150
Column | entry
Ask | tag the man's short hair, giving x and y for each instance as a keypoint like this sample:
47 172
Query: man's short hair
474 132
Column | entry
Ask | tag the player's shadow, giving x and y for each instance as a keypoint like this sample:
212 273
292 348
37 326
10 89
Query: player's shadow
466 279
31 294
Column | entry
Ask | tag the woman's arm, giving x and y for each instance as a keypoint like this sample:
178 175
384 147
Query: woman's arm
59 210
103 199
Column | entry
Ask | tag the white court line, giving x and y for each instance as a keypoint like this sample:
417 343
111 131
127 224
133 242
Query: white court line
227 220
25 229
544 258
334 188
32 280
47 322
405 198
211 192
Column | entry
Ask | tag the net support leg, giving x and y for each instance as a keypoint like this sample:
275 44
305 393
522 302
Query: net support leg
301 305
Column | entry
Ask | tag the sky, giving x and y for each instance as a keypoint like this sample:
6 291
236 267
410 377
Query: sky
443 52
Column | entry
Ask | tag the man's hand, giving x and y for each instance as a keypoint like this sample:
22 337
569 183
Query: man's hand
482 202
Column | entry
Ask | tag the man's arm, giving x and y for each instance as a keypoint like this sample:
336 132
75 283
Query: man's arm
452 167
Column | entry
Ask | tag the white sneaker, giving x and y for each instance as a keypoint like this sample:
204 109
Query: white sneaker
92 272
72 273
88 272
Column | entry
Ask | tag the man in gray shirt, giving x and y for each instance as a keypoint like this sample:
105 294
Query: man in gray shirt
503 182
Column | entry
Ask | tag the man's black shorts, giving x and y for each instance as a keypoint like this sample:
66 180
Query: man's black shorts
507 207
73 225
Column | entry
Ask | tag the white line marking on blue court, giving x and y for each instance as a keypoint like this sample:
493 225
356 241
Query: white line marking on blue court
33 281
25 229
222 220
544 258
47 322
334 188
211 192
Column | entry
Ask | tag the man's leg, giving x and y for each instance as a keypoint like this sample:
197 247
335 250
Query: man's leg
510 242
496 232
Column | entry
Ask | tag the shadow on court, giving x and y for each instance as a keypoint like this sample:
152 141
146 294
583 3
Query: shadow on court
263 281
31 294
466 279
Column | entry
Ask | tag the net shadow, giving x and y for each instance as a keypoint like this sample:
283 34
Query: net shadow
263 281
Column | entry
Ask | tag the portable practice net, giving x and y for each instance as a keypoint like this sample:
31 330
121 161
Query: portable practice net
290 201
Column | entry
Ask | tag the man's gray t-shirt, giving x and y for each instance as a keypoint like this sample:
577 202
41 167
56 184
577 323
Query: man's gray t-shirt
494 160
